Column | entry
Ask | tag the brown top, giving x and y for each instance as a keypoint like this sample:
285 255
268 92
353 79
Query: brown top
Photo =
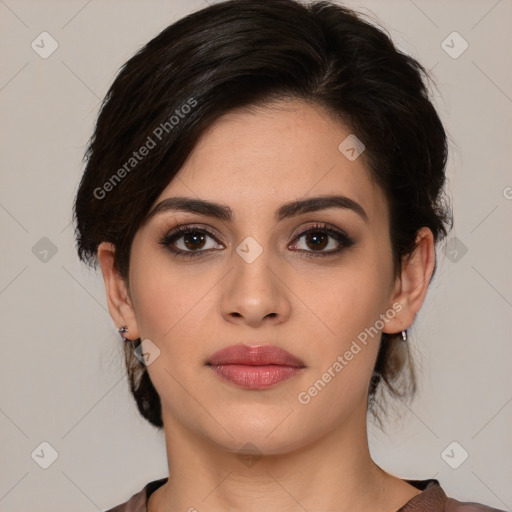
431 499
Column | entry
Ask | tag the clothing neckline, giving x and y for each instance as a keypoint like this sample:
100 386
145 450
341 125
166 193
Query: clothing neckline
430 489
430 497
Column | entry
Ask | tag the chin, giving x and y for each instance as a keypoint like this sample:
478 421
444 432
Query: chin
260 444
266 434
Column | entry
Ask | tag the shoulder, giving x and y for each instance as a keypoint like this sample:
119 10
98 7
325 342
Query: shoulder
137 503
453 505
432 498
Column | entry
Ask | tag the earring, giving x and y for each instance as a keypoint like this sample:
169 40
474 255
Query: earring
404 335
122 330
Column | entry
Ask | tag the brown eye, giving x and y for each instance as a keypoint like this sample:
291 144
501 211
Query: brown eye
317 238
188 241
194 240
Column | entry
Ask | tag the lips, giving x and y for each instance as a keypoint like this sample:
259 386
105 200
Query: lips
255 367
260 355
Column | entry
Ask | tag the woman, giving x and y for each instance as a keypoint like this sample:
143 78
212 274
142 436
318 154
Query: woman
264 193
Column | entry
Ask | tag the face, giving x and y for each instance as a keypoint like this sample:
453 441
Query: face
315 282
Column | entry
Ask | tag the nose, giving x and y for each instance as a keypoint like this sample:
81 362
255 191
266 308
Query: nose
255 293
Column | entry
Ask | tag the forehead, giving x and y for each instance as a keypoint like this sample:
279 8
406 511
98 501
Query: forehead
257 159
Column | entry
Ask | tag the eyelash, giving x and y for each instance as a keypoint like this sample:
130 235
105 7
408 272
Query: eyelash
338 235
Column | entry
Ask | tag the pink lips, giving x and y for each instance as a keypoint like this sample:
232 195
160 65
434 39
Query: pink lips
255 367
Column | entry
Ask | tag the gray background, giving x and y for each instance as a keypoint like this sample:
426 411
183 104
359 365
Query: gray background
62 375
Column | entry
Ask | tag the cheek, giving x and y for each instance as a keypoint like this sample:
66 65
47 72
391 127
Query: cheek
158 293
172 305
154 297
170 312
351 302
344 358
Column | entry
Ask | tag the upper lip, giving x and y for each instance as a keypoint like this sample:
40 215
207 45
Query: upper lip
255 355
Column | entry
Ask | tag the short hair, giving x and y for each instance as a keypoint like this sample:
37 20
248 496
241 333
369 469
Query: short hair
243 53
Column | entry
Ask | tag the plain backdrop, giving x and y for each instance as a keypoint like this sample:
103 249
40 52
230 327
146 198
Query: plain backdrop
62 375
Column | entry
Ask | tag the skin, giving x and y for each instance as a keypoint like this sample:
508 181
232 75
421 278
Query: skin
314 456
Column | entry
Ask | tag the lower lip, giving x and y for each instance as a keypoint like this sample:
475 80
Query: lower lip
255 377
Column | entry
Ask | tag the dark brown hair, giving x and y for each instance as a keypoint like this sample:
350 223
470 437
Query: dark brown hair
243 53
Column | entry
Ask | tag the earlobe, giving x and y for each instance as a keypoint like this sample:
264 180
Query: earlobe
118 299
413 282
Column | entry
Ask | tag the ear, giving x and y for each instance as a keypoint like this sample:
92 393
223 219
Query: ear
118 298
412 284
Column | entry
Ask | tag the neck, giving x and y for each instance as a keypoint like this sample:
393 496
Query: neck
334 472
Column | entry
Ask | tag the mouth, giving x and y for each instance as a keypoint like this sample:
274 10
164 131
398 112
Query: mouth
255 367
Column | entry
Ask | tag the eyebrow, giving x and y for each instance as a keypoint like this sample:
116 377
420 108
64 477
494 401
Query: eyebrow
287 210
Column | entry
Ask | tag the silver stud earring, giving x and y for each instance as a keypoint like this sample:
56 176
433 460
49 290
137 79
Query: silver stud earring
122 330
404 335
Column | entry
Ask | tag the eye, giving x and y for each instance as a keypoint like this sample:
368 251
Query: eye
191 241
318 236
188 241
